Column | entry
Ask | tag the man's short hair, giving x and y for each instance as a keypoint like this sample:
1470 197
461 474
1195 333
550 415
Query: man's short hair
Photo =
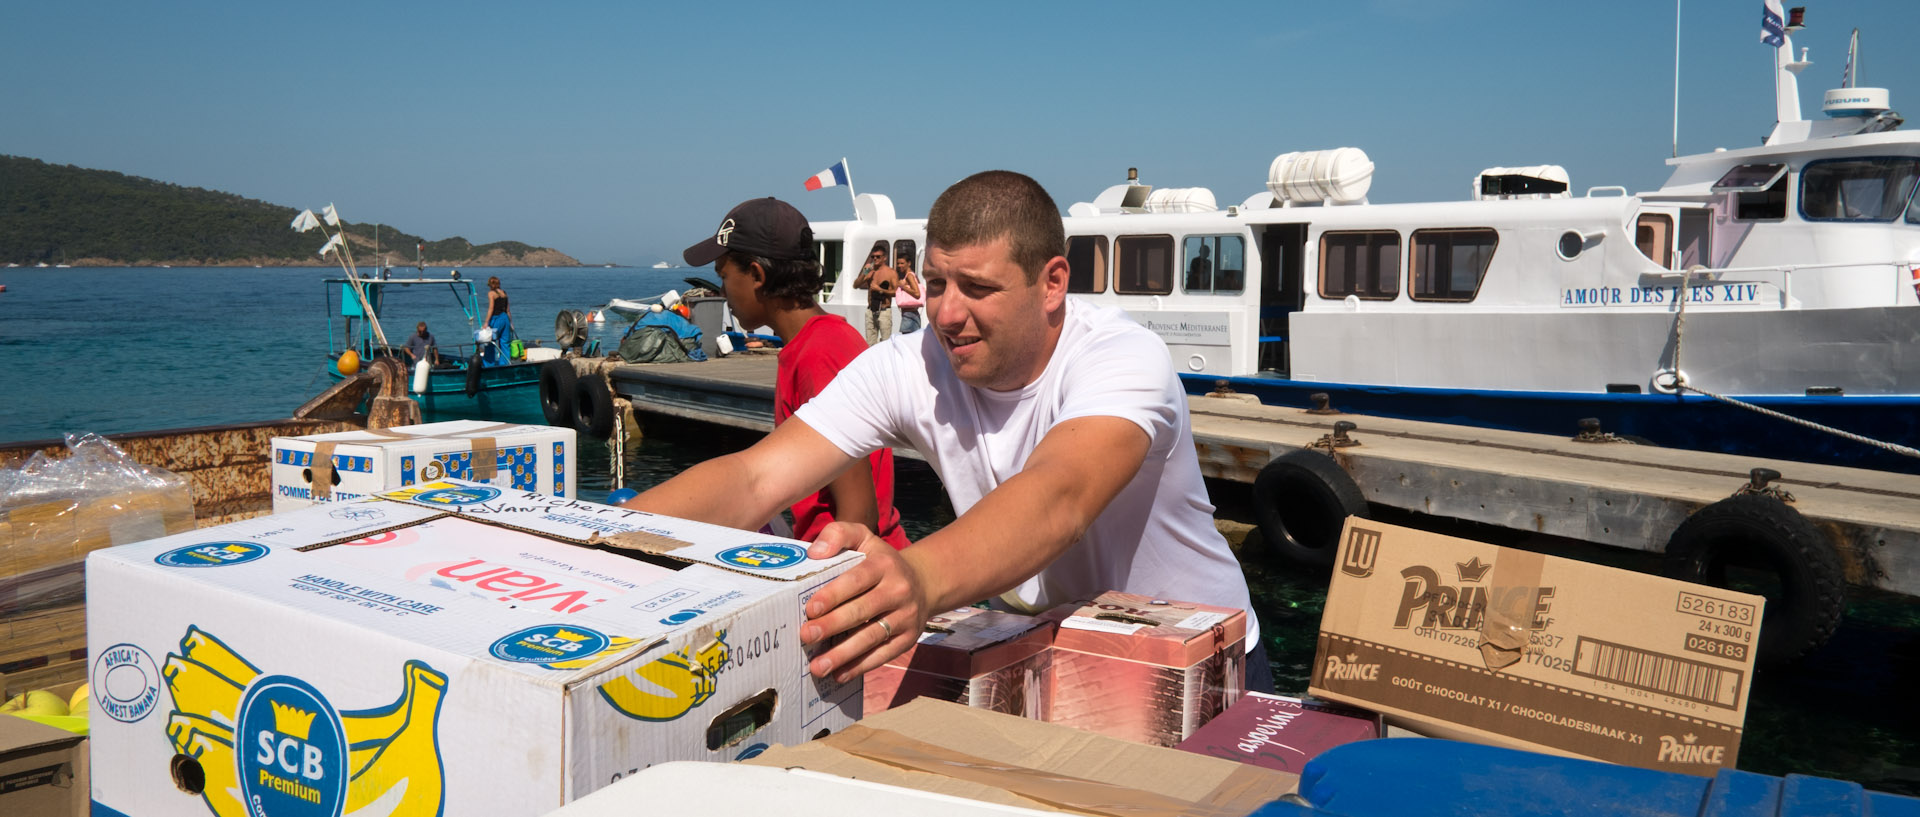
796 281
1000 204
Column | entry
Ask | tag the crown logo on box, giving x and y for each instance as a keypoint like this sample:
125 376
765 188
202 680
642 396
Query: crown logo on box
1690 737
568 636
1472 570
291 720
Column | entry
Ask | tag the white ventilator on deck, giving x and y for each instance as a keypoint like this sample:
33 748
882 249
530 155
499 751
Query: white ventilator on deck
1554 174
1181 200
420 371
1337 176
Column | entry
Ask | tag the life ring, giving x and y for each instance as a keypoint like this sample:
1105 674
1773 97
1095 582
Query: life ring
473 375
1773 551
1300 500
593 407
556 391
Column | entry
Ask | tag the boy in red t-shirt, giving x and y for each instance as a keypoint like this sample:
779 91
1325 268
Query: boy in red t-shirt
763 252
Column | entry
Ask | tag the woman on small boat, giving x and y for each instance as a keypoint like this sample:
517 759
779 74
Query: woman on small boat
500 320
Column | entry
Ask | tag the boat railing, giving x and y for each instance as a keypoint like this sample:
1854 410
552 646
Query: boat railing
1781 275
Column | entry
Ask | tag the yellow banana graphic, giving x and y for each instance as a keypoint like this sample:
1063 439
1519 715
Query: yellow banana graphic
394 751
673 683
392 762
614 645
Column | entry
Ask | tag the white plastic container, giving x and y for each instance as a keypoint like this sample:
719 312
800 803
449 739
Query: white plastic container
1181 200
420 371
1337 176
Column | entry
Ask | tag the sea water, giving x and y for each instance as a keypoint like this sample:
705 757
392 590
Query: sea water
110 350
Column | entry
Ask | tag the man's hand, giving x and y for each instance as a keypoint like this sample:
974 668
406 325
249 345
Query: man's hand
883 587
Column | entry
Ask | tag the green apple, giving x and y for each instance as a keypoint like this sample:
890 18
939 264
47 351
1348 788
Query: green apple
82 700
42 702
15 704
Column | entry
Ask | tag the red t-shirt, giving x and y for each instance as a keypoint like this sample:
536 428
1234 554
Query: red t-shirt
807 364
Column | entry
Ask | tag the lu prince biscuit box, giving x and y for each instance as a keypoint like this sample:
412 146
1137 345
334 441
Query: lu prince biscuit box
1465 640
446 649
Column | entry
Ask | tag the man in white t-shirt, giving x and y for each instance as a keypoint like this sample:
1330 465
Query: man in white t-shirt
1058 428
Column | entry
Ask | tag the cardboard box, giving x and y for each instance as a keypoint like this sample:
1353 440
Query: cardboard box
320 468
43 770
1475 642
983 658
946 748
451 648
1143 669
1280 733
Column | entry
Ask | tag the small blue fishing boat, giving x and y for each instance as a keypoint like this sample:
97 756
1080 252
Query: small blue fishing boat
459 382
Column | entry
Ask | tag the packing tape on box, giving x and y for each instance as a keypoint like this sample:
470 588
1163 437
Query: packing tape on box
1074 793
1509 617
641 541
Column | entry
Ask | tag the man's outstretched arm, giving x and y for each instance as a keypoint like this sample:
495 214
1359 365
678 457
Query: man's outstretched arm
746 488
1004 539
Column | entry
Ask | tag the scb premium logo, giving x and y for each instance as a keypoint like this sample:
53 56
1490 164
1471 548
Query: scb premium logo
460 495
764 556
211 554
272 745
549 644
296 750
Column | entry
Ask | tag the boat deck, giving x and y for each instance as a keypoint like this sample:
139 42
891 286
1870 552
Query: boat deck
1614 494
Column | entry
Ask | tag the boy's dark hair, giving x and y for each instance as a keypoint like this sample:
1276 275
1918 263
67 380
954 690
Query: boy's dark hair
1000 203
796 282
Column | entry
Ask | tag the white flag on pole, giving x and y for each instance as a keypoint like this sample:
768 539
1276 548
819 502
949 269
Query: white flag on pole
305 221
333 216
332 242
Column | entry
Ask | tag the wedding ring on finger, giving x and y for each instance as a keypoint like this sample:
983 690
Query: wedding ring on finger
885 627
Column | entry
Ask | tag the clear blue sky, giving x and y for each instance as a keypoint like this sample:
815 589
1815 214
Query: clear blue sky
623 131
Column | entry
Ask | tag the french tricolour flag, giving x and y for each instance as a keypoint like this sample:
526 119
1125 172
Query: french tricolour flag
831 177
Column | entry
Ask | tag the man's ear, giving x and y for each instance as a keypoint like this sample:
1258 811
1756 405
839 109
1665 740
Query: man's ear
1053 279
758 275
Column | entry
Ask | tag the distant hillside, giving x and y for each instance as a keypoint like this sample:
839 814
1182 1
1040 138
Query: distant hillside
64 214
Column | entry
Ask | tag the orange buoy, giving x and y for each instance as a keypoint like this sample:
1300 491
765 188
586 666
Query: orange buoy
349 363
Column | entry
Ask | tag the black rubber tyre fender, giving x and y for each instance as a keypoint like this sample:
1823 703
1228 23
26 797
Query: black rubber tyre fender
593 407
473 375
1301 499
1808 594
556 391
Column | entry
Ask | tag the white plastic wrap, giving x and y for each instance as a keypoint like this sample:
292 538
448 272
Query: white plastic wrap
54 511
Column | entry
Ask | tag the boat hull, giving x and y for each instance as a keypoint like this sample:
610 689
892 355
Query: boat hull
502 390
1690 421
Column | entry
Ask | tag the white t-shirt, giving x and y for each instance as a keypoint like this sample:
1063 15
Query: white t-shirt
1157 536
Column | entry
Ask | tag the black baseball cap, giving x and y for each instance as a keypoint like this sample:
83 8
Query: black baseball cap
769 228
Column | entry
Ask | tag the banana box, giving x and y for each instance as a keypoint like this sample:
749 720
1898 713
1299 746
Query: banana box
319 468
450 648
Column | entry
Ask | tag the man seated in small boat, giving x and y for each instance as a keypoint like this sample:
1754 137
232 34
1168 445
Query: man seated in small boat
1058 428
422 345
763 252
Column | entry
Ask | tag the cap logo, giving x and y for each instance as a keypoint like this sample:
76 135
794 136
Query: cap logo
726 232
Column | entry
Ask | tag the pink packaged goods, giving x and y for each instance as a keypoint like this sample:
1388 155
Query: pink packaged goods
985 659
1280 733
1144 669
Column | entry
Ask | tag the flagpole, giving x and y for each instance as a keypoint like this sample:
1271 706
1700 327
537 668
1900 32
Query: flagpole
850 194
1676 78
353 277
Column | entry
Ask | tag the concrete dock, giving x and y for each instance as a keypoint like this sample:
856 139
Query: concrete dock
1615 494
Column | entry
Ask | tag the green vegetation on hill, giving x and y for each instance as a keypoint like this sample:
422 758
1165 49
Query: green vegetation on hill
63 214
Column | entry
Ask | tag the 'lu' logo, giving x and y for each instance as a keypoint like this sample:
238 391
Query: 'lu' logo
1363 546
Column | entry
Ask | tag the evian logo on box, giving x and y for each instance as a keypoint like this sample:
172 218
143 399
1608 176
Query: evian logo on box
1687 749
1350 669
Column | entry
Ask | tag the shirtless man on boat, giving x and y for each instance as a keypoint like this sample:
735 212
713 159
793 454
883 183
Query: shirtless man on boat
1058 428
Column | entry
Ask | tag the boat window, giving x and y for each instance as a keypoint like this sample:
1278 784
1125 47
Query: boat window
1865 189
1087 263
1216 263
1448 264
1750 178
1653 234
831 254
1765 205
1145 265
1362 263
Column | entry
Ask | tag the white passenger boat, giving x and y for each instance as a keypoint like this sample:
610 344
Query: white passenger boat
1784 276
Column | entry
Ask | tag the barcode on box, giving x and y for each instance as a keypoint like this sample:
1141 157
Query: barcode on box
1654 672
